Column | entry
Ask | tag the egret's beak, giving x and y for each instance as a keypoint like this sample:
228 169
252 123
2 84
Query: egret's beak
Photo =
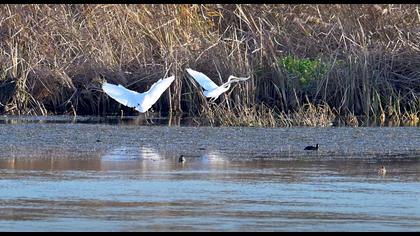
237 79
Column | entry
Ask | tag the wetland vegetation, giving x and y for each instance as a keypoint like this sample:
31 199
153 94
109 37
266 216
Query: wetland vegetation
310 65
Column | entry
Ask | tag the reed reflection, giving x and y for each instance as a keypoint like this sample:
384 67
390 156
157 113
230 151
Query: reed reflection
66 161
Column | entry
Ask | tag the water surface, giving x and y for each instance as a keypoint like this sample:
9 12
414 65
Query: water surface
59 175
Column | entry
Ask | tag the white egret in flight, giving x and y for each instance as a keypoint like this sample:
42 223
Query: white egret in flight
139 101
211 90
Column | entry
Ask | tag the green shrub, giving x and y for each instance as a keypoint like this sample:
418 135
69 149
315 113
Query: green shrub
305 70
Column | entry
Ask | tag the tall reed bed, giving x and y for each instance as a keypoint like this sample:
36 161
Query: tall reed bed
308 63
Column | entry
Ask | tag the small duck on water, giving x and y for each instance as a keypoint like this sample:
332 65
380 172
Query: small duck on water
382 170
181 159
312 147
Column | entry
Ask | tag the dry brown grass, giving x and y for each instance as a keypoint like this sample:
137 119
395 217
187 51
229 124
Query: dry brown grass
57 54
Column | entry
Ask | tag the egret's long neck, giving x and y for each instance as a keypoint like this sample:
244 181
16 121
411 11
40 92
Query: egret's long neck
227 84
231 78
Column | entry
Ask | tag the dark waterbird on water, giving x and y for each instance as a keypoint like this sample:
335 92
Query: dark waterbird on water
181 159
312 147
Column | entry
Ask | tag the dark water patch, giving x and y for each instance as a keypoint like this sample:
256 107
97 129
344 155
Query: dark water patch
148 119
151 119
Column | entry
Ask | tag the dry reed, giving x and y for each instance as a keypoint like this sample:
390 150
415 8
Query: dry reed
58 54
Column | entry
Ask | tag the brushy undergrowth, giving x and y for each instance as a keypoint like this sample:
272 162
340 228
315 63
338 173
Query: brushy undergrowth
308 63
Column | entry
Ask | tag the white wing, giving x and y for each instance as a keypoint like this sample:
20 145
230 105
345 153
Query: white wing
203 80
122 95
155 91
141 101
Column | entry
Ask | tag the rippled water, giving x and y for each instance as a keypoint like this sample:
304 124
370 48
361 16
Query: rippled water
58 175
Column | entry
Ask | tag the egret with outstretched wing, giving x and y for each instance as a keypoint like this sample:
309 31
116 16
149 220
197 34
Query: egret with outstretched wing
139 101
211 90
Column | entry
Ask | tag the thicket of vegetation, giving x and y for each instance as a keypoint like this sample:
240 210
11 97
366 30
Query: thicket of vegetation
309 64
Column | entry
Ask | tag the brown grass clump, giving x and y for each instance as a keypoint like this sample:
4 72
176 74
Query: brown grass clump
263 116
311 115
256 116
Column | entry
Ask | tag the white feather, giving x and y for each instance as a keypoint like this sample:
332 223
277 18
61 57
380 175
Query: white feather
202 80
140 101
211 89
